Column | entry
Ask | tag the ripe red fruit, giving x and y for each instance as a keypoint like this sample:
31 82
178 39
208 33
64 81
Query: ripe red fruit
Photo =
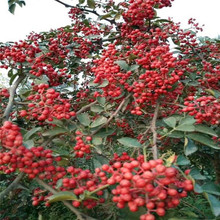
170 172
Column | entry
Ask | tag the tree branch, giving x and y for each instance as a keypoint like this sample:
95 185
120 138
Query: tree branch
11 186
11 97
114 114
154 132
80 216
86 107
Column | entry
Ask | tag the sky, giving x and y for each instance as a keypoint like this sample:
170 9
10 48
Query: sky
42 15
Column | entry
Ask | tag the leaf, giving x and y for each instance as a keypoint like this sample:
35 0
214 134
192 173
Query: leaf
171 121
170 160
12 79
55 131
117 16
101 100
99 121
205 129
104 84
195 174
133 67
211 188
198 188
96 140
109 15
214 203
12 8
203 140
181 160
91 4
105 133
97 108
185 127
31 132
176 134
129 142
81 1
190 147
84 119
28 144
62 196
123 65
187 120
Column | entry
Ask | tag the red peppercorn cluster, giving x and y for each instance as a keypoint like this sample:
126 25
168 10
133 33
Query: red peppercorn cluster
46 104
149 184
205 108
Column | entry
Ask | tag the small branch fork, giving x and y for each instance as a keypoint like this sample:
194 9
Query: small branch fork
80 216
86 10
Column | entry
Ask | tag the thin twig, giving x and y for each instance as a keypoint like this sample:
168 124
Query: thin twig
86 107
154 132
86 10
113 115
11 97
11 186
80 216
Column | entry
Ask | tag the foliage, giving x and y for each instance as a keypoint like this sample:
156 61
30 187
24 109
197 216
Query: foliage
106 118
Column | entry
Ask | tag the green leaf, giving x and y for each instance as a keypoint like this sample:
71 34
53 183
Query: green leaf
109 15
105 133
91 4
198 188
185 127
203 140
211 188
12 8
28 144
176 134
62 196
187 121
195 174
205 129
123 65
97 108
129 142
84 119
101 100
99 121
133 67
181 160
12 79
96 140
55 131
190 147
31 132
214 203
81 1
117 16
171 121
104 84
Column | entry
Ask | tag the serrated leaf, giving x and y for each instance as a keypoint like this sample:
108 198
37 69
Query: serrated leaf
84 119
123 65
181 160
203 140
214 204
190 147
129 142
99 121
91 4
31 132
62 196
55 131
171 121
205 129
211 188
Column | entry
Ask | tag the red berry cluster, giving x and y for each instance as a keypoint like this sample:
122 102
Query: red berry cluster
205 108
81 148
149 184
46 104
126 128
4 93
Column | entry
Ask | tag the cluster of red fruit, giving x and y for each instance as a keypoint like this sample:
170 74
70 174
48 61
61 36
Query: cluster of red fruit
47 104
205 108
149 184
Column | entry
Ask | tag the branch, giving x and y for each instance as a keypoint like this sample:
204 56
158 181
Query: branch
11 186
86 10
11 97
114 114
154 132
80 216
86 107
